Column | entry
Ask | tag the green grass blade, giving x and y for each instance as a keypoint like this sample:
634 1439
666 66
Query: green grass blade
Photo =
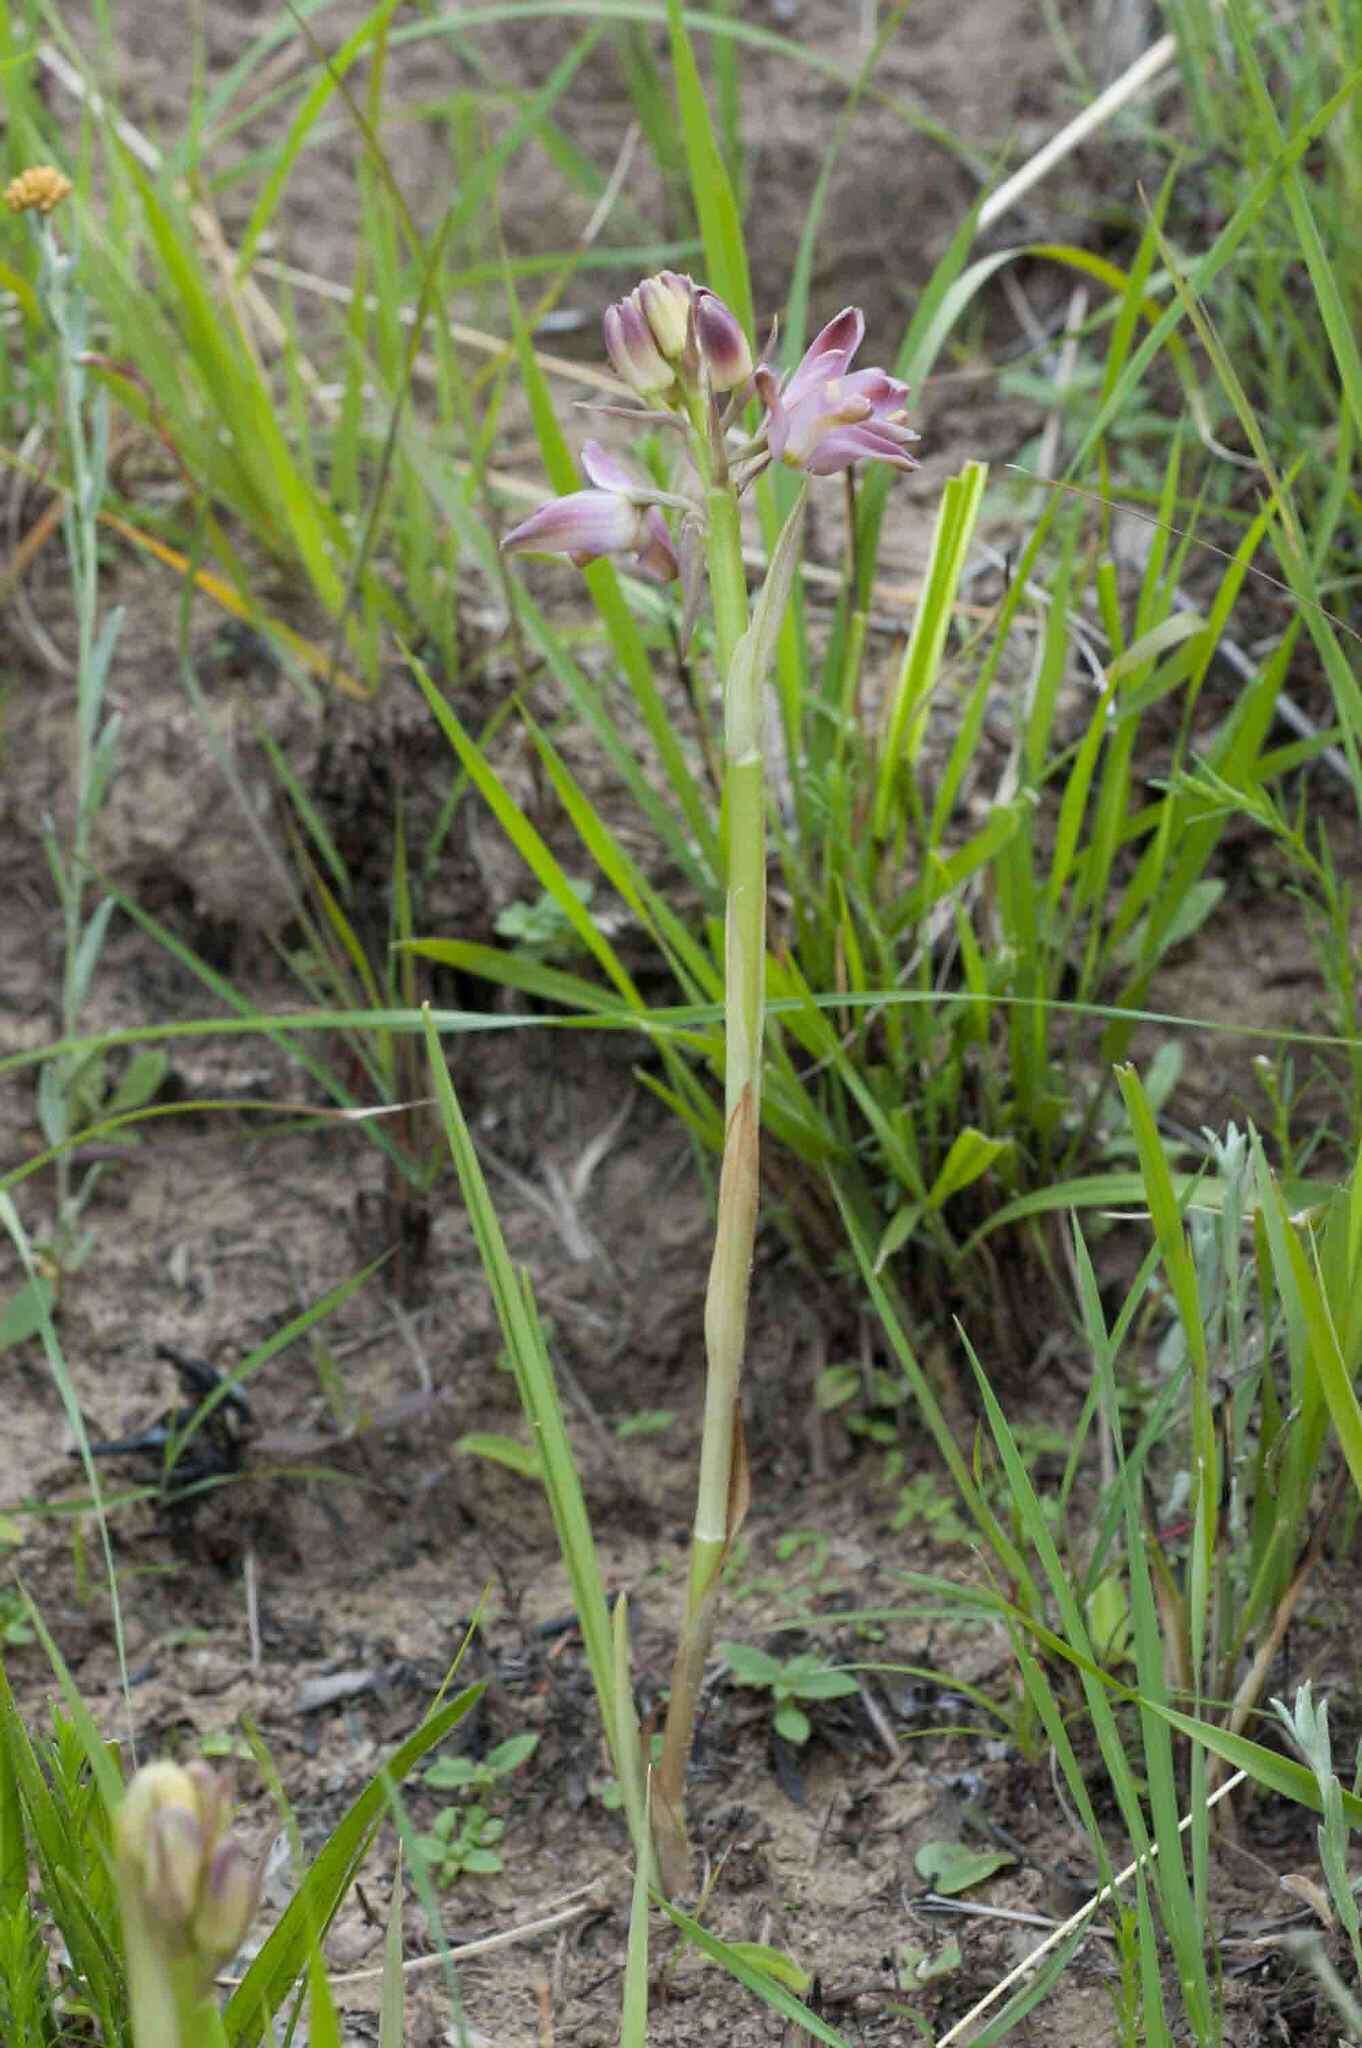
326 81
523 1335
528 843
921 668
791 2009
1330 1370
284 1957
716 205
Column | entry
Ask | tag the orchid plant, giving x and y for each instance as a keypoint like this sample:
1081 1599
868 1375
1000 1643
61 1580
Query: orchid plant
684 356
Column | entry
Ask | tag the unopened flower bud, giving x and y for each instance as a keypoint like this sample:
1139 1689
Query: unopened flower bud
582 525
37 190
632 350
666 302
227 1904
186 1889
723 345
211 1797
618 516
144 1831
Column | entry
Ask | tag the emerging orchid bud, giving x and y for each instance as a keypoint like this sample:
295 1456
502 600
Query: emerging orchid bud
666 303
633 351
187 1896
723 345
159 1839
175 1847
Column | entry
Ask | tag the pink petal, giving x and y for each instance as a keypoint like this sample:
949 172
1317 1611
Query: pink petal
830 350
585 523
777 419
845 445
816 412
632 351
886 393
610 472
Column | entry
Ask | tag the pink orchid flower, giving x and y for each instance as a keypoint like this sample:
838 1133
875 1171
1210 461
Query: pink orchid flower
619 516
823 416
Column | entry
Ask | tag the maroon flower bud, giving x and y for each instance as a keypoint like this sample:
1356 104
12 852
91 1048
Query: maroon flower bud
723 345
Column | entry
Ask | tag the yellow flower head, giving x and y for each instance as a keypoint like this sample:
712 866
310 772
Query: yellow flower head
37 190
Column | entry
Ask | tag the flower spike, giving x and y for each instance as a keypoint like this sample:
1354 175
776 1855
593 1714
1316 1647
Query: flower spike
187 1895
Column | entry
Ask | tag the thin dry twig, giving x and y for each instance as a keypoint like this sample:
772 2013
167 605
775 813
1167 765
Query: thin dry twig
586 1899
1132 82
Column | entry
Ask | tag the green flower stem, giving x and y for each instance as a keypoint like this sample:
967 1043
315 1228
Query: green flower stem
727 573
153 2006
166 2004
719 1499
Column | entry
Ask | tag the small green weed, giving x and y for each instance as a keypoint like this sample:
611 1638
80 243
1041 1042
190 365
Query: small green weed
15 1628
805 1677
481 1775
462 1839
465 1839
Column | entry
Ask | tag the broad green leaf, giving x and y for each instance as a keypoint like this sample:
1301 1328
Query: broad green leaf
511 1754
897 1232
750 1666
145 1072
792 1723
501 1450
26 1311
953 1867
